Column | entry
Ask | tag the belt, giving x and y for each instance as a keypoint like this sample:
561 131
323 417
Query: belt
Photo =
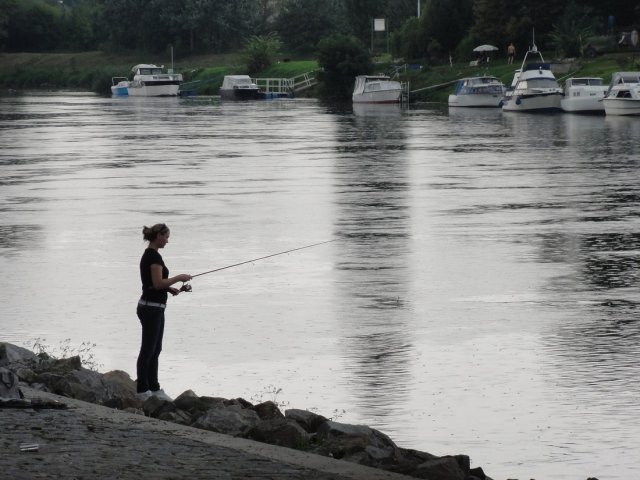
151 304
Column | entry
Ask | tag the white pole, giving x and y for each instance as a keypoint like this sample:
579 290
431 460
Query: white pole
418 8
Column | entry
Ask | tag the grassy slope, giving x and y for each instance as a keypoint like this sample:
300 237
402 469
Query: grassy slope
602 66
93 70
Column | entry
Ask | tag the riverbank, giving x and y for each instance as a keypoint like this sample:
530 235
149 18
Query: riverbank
51 436
93 70
67 420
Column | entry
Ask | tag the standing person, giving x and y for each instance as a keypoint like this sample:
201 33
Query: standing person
511 52
156 283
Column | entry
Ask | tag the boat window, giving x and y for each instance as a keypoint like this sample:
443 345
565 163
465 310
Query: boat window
595 81
542 83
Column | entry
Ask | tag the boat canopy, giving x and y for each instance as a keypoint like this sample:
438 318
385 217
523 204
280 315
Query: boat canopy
625 77
237 81
363 82
478 85
147 69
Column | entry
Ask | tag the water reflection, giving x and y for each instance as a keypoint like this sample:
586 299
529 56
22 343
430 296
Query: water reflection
372 218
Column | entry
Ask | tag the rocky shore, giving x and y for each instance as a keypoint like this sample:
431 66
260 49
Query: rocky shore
299 431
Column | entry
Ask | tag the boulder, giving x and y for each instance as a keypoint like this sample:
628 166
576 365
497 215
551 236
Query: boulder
195 405
442 468
156 406
232 420
308 420
9 389
342 440
12 354
281 432
268 410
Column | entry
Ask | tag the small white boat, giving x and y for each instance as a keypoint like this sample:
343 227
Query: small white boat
486 91
534 87
583 95
152 81
239 87
623 95
376 89
119 86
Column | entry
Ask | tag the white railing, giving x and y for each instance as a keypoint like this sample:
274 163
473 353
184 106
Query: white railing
286 85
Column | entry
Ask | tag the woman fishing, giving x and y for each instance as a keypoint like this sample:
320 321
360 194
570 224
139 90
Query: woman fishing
156 283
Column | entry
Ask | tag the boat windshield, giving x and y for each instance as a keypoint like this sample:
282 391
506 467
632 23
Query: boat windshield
150 71
538 83
587 81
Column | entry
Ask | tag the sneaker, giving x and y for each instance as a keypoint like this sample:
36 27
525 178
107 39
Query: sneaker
142 396
161 395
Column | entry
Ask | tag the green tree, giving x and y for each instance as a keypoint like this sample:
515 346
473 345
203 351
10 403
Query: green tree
342 58
260 52
447 22
303 23
408 41
572 32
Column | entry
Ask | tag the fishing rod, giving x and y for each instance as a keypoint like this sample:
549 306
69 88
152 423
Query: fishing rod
187 287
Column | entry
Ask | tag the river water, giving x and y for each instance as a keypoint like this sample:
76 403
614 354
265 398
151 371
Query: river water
480 296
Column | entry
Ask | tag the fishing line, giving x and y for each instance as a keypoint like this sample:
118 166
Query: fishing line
262 258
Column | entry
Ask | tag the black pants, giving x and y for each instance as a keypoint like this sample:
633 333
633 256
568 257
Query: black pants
152 320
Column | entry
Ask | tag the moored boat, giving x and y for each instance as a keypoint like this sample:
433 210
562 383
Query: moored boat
239 87
623 95
484 91
151 81
376 89
534 87
583 95
119 86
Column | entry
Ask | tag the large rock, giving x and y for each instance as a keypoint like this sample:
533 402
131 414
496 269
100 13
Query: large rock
156 406
12 354
308 420
232 420
280 431
195 405
442 468
268 410
341 440
9 389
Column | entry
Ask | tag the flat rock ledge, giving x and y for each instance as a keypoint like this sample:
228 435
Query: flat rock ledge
297 429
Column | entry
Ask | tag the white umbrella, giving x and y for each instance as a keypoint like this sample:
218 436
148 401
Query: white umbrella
485 48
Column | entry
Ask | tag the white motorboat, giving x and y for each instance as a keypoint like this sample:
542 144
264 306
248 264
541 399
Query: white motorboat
119 86
623 95
152 81
486 91
583 95
376 89
239 87
534 87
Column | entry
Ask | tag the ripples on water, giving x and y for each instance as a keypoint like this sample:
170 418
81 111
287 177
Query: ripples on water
482 296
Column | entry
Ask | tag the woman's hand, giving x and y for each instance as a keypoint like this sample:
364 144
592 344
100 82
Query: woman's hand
183 277
173 291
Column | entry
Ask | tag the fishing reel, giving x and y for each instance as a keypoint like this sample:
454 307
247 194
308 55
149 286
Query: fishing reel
185 287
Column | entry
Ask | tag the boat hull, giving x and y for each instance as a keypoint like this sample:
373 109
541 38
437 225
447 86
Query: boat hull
545 102
239 93
380 96
582 105
154 89
621 106
476 100
120 91
583 95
